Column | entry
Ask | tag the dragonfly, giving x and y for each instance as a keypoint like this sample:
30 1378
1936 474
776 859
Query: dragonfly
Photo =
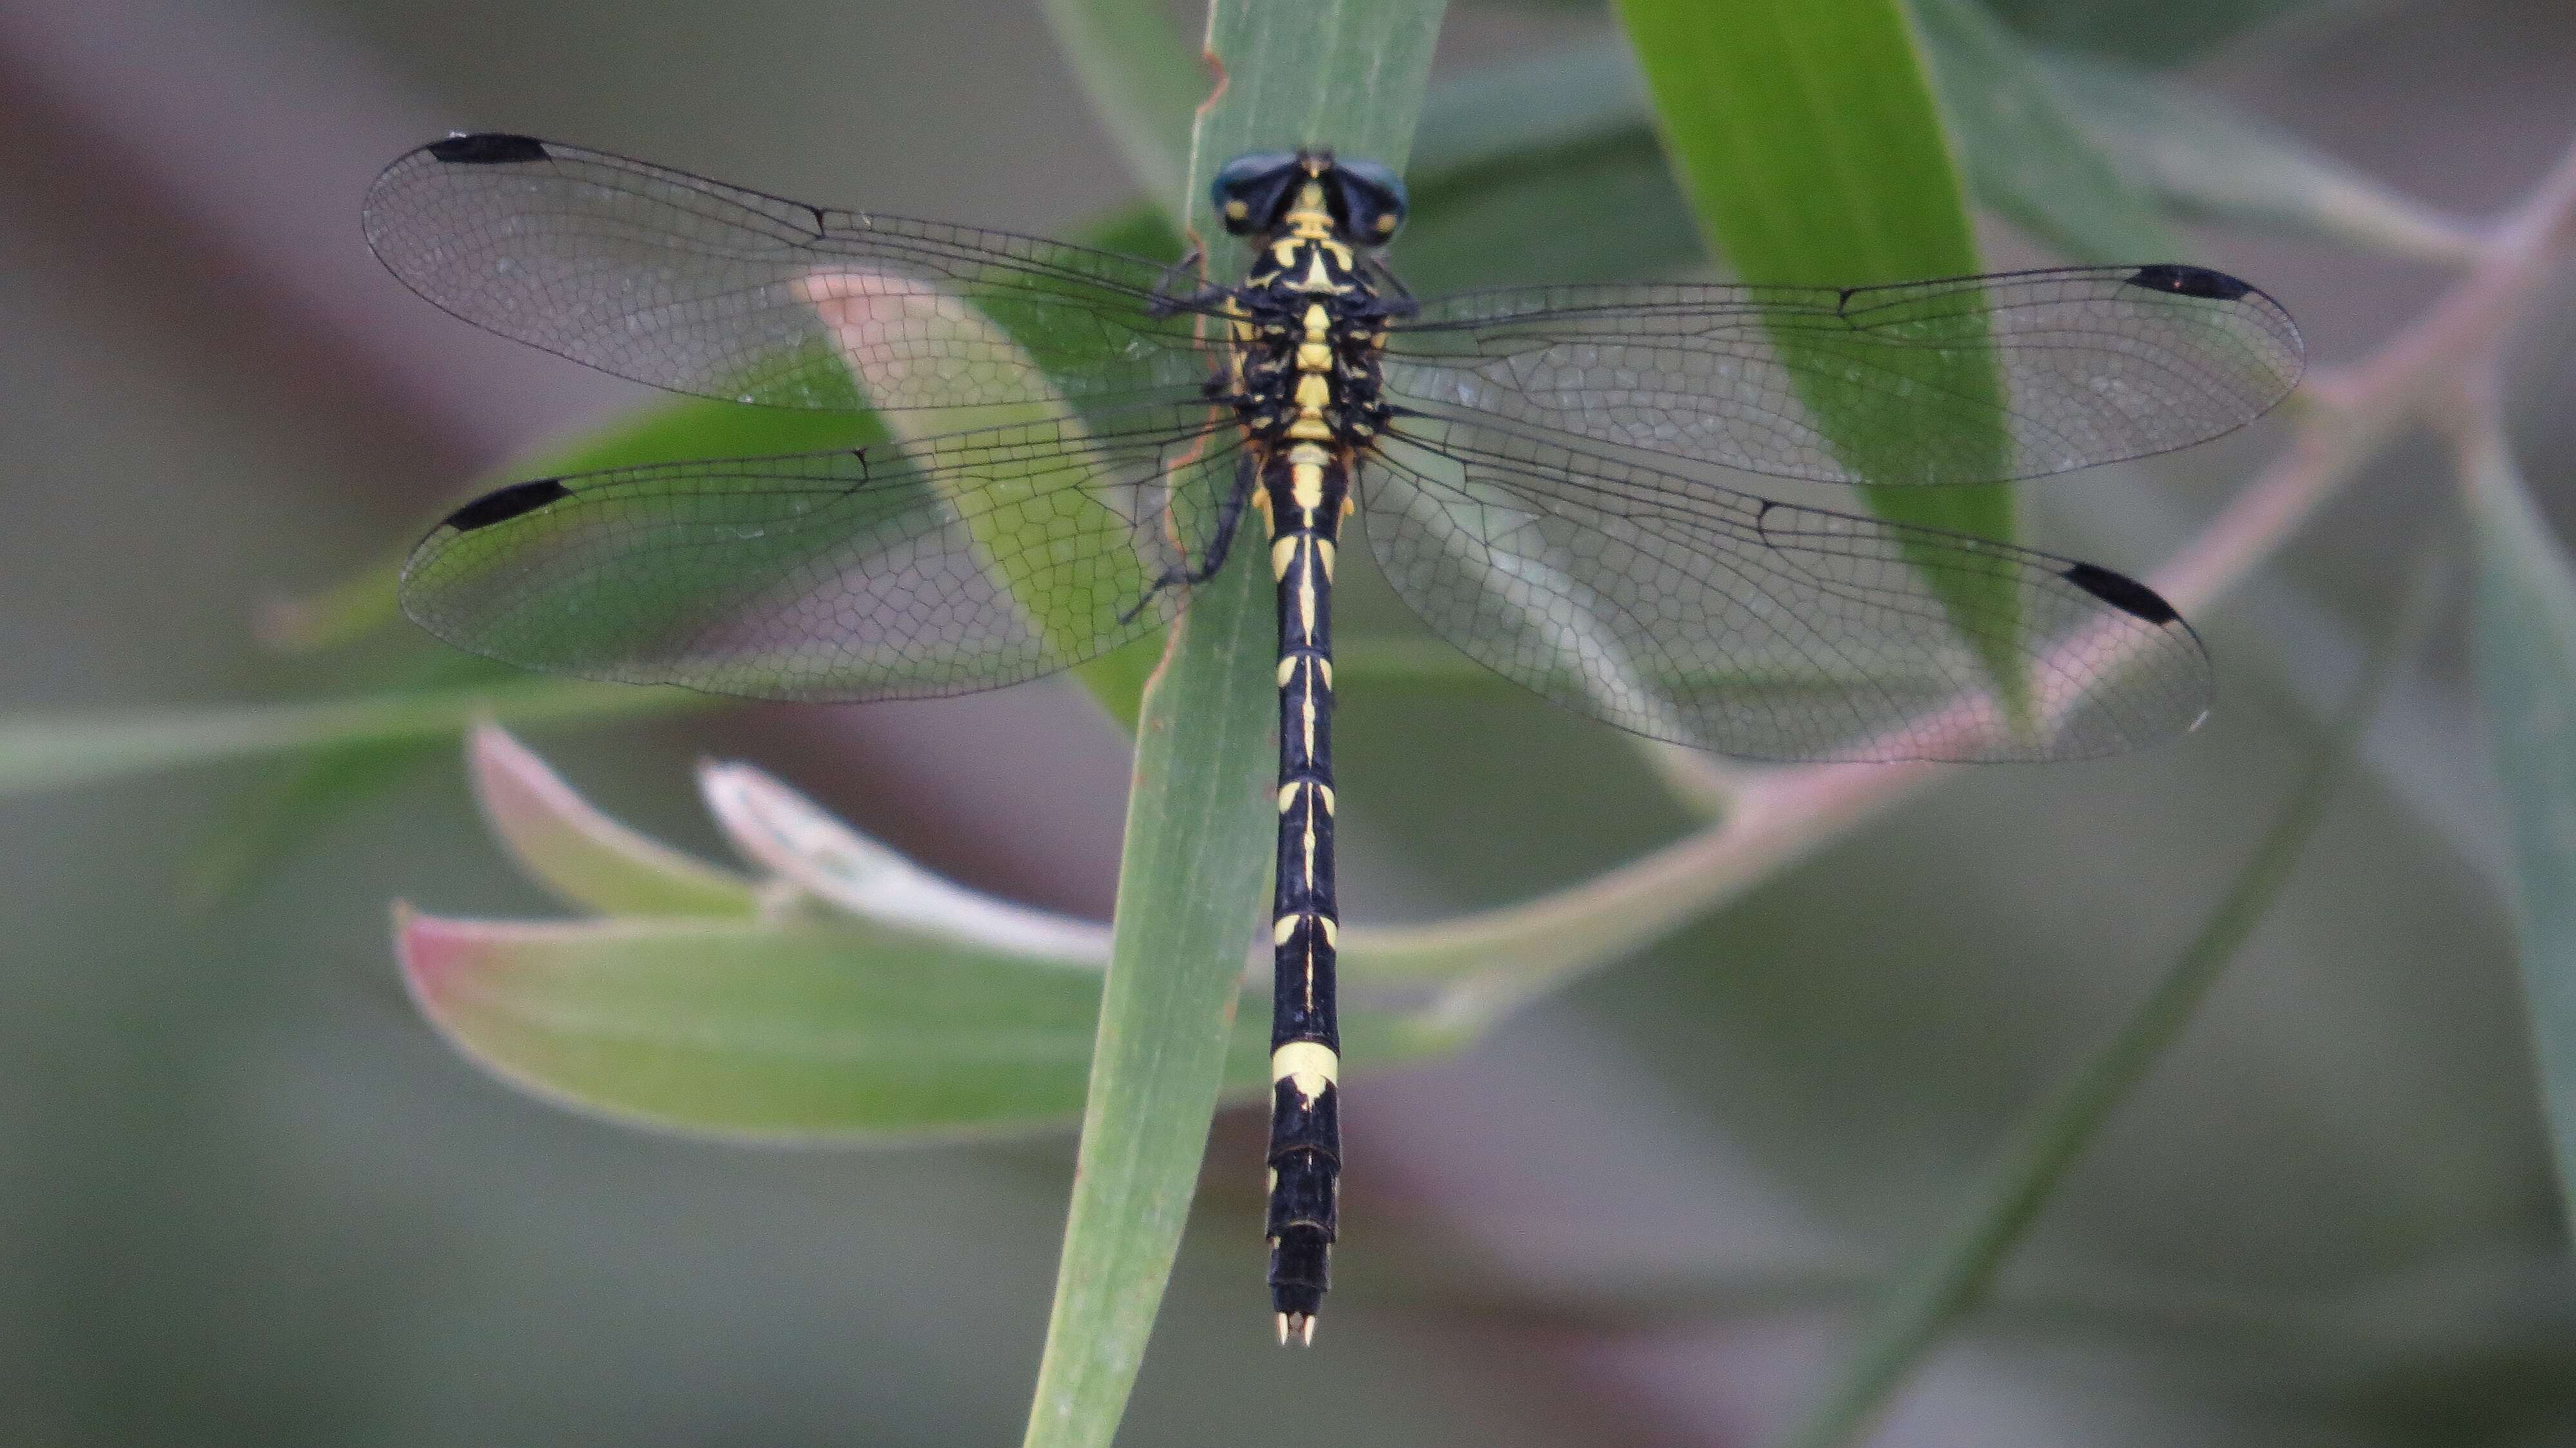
1545 474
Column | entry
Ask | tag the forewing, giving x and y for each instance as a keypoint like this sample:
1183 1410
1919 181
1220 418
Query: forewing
1689 612
968 562
2095 364
704 288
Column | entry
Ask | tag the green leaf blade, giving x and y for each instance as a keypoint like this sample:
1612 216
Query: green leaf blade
1200 825
1806 137
54 751
747 1030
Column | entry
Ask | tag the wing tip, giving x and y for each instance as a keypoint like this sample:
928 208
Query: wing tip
503 504
2184 280
2121 592
487 148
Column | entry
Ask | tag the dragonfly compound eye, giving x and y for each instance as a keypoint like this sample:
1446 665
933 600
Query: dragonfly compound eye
1251 191
1371 200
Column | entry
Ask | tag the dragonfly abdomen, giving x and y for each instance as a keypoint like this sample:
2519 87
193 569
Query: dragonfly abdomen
1304 489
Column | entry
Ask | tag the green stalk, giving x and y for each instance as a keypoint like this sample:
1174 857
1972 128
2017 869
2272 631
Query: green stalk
1199 821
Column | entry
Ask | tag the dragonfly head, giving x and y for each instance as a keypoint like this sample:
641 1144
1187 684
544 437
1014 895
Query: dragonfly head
1360 202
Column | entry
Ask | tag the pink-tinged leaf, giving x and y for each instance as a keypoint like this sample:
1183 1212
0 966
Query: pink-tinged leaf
567 845
795 1031
762 1031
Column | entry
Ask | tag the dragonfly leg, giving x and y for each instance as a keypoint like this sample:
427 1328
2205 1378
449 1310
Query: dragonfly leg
1170 297
1229 517
1397 299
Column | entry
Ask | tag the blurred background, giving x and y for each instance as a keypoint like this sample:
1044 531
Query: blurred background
246 1196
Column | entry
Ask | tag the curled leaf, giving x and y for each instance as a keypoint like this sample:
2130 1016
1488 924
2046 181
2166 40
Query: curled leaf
566 844
784 831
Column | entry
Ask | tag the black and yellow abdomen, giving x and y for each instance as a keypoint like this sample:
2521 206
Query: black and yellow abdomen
1305 488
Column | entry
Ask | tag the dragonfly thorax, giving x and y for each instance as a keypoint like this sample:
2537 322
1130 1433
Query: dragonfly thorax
1309 332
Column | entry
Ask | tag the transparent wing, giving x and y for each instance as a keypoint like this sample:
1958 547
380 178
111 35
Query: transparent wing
972 561
700 287
1685 611
1976 379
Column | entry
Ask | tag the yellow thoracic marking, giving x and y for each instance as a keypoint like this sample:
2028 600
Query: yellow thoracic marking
1324 555
1282 554
1314 357
1306 1058
1316 279
1311 429
1313 393
1286 249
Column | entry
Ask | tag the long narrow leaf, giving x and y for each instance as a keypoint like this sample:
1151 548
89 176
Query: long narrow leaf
1805 135
40 752
1199 830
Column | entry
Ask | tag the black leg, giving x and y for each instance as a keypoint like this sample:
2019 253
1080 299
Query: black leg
1168 295
1229 517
